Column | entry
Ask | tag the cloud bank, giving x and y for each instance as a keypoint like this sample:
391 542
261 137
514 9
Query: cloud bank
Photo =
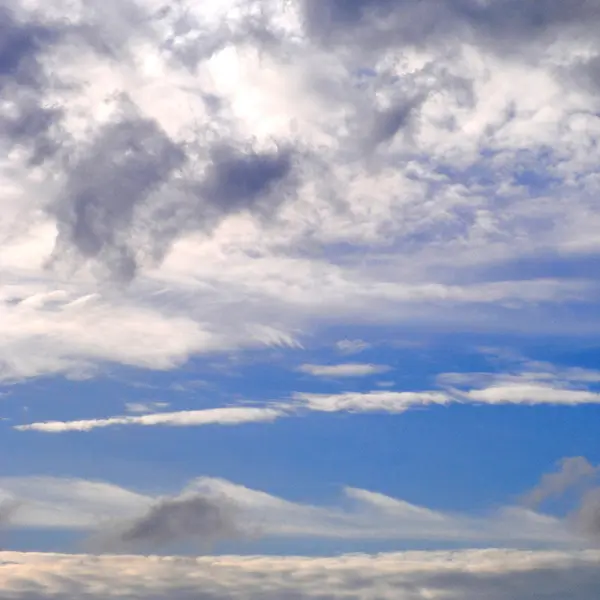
225 176
211 510
470 575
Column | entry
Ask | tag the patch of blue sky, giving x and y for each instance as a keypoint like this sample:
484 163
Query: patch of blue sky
456 458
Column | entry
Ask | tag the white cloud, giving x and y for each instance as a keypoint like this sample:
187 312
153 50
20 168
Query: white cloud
184 418
344 370
352 346
46 502
466 575
530 383
406 184
532 394
51 502
145 407
377 401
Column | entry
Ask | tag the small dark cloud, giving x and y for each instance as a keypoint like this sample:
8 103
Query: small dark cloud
95 212
198 518
400 117
238 180
26 121
20 45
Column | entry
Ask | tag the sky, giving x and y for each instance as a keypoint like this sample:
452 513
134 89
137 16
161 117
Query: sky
299 299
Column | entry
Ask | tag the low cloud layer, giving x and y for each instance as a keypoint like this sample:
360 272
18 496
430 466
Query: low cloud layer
210 510
471 575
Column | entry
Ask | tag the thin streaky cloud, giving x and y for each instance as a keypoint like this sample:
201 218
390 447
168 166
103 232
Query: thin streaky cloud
186 418
352 346
344 370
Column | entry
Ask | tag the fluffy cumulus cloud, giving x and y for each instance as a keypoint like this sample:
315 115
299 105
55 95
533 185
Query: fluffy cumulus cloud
470 575
186 178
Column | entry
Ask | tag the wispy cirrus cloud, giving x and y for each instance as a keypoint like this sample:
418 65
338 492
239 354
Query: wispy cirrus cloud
344 370
347 346
235 415
527 383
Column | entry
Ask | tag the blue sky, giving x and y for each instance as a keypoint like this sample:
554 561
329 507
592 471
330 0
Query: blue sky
299 279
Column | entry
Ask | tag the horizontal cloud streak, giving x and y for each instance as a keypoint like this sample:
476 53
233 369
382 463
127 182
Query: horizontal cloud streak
344 370
533 384
384 401
209 509
185 418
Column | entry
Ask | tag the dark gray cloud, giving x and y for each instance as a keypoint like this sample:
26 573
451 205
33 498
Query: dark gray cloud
240 180
108 189
26 121
20 46
200 519
506 25
95 212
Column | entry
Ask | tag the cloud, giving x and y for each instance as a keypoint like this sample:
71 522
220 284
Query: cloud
185 418
466 575
572 471
352 346
376 401
242 177
58 503
529 383
344 370
7 511
532 394
95 211
574 474
210 509
145 407
195 517
532 383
